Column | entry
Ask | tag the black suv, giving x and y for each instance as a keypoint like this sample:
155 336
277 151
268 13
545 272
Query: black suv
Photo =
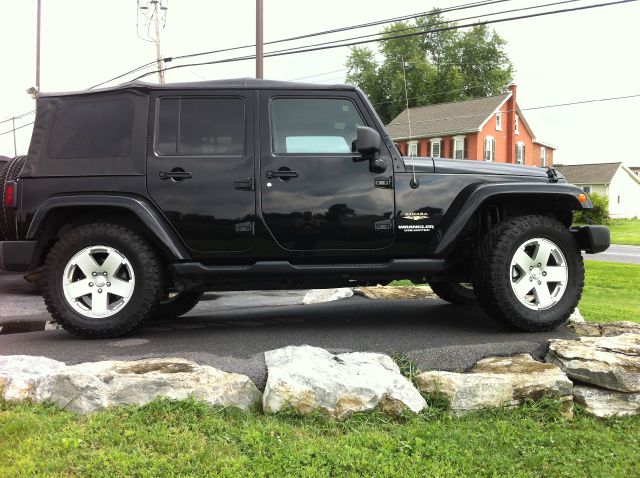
135 200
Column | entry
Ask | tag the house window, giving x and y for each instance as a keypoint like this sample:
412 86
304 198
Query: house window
458 147
517 124
489 149
499 121
543 157
435 147
586 189
413 148
520 157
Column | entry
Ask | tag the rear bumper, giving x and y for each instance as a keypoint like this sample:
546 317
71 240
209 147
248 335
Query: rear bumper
16 255
592 239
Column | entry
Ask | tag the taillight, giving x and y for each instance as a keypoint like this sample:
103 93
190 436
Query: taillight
10 194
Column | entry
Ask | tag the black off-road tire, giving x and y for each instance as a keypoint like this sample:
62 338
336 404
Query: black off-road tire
454 292
493 274
143 259
172 308
9 171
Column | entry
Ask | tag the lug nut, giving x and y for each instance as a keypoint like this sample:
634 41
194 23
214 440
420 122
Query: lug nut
544 273
108 284
99 291
538 265
90 284
105 273
530 279
539 283
94 274
530 268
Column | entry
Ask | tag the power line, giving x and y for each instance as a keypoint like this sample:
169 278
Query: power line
309 35
16 129
22 115
387 37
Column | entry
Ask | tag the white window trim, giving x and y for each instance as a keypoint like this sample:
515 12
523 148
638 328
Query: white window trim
499 121
411 145
520 144
492 157
437 141
543 156
456 139
517 121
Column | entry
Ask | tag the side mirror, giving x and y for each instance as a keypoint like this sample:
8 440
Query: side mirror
368 141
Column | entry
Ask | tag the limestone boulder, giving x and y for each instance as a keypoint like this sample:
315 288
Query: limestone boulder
307 379
396 292
607 362
499 382
93 386
26 377
607 403
606 329
318 296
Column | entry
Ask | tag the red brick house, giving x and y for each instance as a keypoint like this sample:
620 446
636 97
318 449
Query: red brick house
489 129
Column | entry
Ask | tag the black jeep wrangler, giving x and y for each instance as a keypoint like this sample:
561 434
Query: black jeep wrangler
134 200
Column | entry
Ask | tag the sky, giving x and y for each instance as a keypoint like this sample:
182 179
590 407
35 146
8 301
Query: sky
558 59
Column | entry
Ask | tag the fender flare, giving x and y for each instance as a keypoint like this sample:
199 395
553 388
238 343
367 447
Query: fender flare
472 198
147 213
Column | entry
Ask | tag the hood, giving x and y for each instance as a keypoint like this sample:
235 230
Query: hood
465 166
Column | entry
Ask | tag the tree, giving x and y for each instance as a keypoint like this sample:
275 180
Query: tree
443 66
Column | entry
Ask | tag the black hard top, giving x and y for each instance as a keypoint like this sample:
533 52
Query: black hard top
238 83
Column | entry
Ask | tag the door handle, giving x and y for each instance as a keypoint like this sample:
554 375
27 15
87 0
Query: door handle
177 174
281 174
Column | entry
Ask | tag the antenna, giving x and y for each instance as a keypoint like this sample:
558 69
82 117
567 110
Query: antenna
414 181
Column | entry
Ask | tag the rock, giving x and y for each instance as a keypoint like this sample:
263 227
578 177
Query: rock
396 292
317 296
308 379
575 316
89 387
606 403
26 377
608 362
500 382
607 329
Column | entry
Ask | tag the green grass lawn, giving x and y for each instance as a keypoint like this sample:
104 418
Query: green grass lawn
166 439
625 231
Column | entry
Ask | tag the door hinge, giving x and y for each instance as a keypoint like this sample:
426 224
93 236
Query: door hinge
383 226
383 182
244 227
244 184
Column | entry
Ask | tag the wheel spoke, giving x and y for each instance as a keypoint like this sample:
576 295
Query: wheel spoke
543 296
87 264
120 288
79 288
523 286
556 274
522 259
112 263
543 251
99 303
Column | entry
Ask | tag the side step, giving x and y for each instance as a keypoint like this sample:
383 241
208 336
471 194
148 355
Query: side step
285 268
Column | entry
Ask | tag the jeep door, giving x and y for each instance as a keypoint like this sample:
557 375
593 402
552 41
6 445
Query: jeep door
200 166
317 193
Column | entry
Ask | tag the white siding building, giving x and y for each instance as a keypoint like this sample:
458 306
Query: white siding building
613 180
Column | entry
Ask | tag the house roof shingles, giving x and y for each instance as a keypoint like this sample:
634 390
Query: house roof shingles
599 173
445 118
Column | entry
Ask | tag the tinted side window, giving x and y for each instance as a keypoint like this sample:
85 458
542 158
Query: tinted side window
201 126
314 125
91 129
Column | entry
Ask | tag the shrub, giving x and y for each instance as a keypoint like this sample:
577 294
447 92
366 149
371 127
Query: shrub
598 215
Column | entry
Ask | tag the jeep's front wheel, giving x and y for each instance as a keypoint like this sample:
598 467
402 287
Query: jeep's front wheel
529 273
101 280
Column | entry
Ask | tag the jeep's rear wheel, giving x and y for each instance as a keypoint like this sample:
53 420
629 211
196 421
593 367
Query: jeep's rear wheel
101 280
455 292
529 273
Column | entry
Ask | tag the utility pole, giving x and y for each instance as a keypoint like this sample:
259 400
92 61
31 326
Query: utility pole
38 46
259 40
158 7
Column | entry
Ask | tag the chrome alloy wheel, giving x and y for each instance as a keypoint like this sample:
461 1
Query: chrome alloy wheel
98 281
539 273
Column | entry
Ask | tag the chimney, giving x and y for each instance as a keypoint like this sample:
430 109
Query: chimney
511 124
